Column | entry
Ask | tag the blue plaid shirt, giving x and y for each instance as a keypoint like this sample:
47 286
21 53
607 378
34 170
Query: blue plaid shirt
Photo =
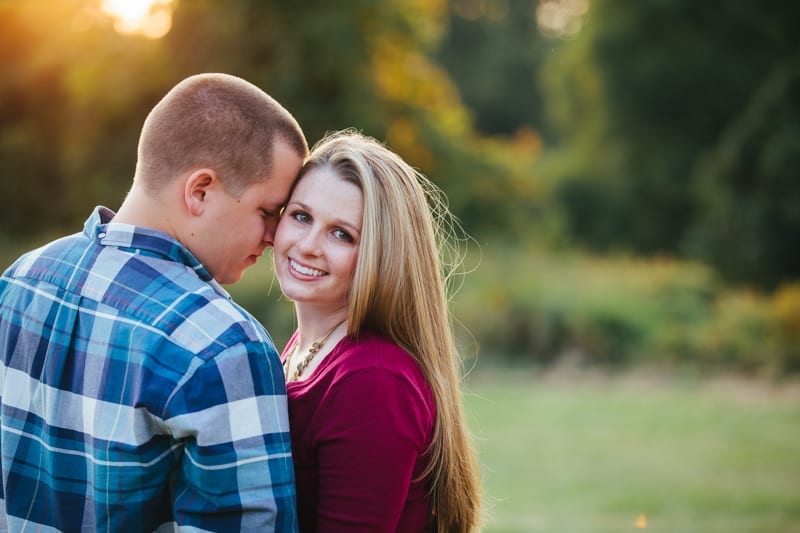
135 394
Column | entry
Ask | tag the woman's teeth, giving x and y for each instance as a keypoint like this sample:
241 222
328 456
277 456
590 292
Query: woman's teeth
305 270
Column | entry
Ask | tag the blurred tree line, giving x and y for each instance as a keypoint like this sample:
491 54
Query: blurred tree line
670 126
666 127
74 93
678 132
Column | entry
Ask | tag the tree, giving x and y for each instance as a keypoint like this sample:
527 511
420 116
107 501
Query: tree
748 187
641 101
493 50
75 93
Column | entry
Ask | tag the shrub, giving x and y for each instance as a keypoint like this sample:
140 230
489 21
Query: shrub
539 307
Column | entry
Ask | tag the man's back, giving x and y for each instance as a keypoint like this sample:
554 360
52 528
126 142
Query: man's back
123 367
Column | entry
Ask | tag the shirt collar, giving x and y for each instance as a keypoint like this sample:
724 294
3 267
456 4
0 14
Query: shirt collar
138 239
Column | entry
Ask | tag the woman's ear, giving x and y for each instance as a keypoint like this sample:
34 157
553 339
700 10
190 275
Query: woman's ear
196 188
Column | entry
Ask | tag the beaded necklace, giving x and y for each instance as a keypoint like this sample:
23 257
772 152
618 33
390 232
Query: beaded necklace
312 351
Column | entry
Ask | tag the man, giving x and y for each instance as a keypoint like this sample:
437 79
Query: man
135 394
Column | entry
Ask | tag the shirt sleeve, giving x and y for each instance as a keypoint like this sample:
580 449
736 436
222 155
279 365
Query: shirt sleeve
375 426
236 469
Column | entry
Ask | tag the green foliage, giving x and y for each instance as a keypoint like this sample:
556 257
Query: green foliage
74 93
678 126
493 51
69 112
532 306
785 309
748 186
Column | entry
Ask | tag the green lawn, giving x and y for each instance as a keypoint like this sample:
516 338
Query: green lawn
578 453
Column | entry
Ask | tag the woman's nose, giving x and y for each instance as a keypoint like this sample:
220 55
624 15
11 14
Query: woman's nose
309 243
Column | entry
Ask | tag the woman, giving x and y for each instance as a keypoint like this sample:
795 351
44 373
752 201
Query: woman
378 433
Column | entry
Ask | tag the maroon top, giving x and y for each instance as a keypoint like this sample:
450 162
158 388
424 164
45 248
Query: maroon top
360 426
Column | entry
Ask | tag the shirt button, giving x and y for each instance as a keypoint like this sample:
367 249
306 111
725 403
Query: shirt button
101 235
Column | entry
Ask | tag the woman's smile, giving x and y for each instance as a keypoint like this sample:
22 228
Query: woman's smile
304 270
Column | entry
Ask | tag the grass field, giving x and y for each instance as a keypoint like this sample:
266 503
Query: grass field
571 452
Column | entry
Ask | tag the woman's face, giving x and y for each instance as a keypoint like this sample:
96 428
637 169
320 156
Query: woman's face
316 243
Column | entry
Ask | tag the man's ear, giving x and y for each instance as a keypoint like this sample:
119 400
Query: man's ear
196 188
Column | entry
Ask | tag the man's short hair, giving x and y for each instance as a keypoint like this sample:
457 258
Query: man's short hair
216 121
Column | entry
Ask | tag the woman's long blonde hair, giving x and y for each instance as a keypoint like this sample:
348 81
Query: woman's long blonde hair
400 290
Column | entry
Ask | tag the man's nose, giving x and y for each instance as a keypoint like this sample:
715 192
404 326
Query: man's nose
270 225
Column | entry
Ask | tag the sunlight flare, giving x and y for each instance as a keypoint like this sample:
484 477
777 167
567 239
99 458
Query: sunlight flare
148 18
561 18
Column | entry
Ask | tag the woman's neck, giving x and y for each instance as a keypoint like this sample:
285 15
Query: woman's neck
313 322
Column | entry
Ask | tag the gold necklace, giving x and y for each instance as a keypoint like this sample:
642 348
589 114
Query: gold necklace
315 346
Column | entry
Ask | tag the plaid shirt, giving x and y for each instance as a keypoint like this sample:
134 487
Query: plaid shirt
135 394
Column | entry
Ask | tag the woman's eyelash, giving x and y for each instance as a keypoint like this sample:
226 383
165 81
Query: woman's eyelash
300 216
343 235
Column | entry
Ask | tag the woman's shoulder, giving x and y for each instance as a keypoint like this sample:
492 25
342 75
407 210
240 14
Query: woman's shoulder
373 357
372 366
373 351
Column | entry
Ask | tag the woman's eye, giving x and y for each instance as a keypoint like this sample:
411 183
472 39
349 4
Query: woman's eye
301 216
343 235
